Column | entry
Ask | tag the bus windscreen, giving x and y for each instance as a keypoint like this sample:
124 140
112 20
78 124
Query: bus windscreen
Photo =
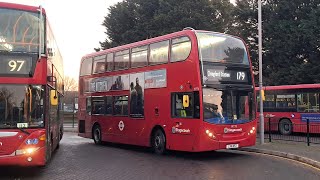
220 48
21 106
19 31
227 106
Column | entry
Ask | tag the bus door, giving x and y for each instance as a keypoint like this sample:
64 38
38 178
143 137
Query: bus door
53 119
185 122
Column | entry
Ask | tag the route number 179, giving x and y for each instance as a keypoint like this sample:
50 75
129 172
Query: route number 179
241 76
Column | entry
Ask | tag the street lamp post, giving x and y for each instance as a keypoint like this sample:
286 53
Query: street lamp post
260 72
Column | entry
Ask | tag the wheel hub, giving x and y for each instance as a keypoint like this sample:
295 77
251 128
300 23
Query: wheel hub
97 134
157 141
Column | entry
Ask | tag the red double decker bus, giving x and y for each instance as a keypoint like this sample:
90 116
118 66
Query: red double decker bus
190 90
289 107
31 87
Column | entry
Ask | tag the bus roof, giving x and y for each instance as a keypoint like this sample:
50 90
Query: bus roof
21 7
285 87
186 31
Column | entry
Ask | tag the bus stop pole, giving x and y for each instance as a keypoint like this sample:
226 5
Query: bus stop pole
260 73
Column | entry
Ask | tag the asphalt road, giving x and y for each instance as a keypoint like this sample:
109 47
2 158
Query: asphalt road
79 158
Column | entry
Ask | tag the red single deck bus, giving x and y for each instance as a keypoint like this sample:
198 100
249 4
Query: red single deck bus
291 106
190 91
31 87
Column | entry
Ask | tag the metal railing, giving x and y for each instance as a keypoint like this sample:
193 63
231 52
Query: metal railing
288 131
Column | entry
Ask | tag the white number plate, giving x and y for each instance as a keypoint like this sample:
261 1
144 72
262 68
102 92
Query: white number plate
22 125
231 146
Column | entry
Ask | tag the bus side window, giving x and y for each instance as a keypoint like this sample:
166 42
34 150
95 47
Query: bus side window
177 106
88 107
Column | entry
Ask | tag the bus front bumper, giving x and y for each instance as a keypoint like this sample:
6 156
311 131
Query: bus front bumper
37 158
209 144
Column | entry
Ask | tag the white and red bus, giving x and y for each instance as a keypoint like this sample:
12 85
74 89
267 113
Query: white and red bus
190 90
31 87
289 107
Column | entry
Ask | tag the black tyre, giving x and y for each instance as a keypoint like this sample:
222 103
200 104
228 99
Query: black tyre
158 142
49 150
97 134
285 127
58 145
61 133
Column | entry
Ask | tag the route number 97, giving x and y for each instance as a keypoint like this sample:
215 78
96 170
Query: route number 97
15 65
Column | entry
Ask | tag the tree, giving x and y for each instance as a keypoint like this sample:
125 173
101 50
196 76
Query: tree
290 38
70 84
134 20
71 89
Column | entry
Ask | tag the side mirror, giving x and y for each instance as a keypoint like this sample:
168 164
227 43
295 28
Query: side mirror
185 101
53 98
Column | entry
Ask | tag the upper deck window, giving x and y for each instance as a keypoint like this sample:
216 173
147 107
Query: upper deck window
159 52
86 67
19 31
180 49
99 63
222 48
139 56
110 64
121 60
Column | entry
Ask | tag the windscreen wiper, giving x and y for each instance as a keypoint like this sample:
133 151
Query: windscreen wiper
24 131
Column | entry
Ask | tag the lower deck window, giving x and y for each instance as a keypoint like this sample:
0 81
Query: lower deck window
120 105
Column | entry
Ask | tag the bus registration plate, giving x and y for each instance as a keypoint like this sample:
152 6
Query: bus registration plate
231 146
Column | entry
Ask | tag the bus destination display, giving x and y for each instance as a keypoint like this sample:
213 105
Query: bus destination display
20 65
226 75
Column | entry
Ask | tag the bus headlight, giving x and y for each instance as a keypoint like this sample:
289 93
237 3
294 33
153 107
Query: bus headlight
252 130
210 134
26 151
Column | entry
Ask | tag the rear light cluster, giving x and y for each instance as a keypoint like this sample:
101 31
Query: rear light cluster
252 131
210 134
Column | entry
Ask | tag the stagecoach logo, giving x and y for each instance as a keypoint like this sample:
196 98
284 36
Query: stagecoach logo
177 130
121 125
228 130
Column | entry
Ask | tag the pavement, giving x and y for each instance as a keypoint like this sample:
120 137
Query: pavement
70 127
298 151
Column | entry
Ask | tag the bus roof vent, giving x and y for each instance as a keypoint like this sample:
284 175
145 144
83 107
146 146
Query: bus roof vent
188 28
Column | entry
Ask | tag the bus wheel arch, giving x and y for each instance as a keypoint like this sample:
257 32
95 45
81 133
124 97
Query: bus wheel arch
285 126
96 133
158 140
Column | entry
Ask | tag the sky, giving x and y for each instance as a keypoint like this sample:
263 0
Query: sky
77 27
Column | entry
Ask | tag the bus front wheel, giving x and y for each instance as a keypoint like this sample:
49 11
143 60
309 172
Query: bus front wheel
285 127
97 135
159 142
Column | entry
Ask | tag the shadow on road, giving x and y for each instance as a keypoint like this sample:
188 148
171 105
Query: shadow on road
198 156
23 172
12 172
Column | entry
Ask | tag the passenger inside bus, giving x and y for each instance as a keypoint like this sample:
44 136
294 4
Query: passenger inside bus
180 111
211 112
